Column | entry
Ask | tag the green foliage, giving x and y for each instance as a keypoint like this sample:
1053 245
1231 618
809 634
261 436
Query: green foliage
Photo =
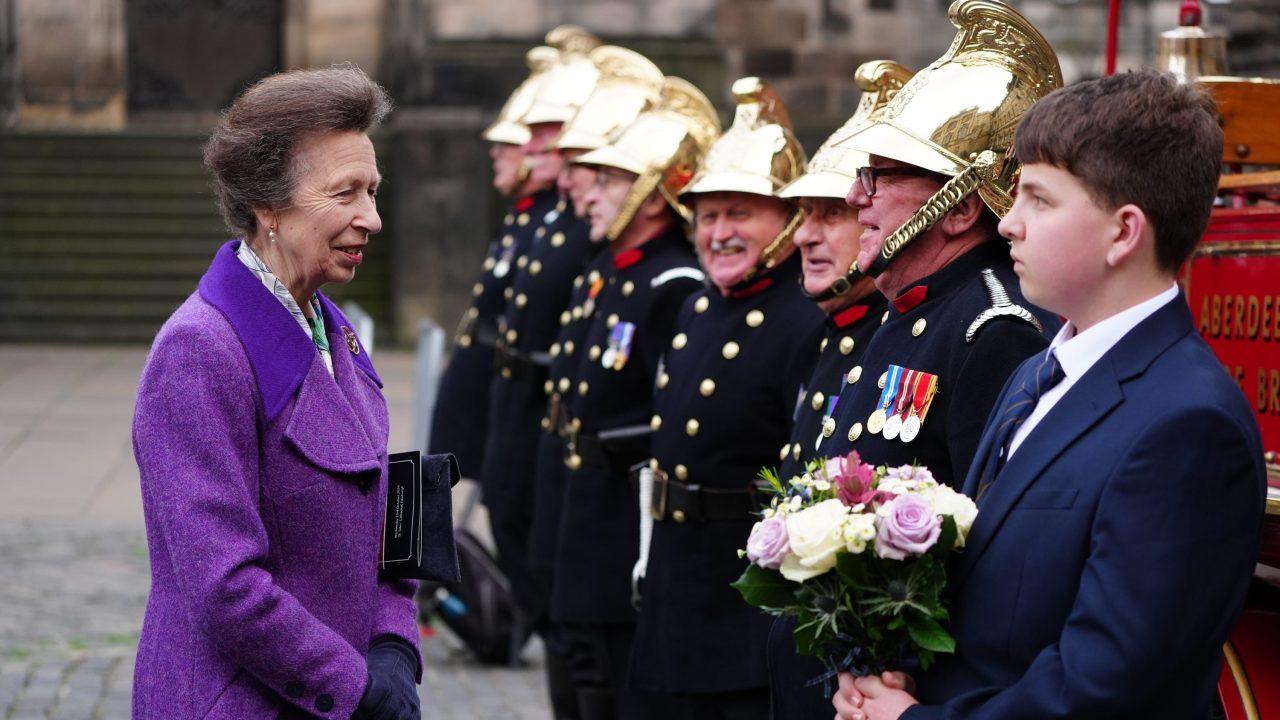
765 588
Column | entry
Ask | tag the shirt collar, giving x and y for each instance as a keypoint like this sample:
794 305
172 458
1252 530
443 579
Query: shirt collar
1078 352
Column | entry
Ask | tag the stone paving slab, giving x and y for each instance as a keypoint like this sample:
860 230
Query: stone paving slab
73 563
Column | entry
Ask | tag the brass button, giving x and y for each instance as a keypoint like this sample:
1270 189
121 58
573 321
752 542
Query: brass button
785 449
593 276
535 267
730 350
846 345
548 386
564 384
506 373
512 335
883 376
795 451
828 426
523 219
679 341
918 329
546 423
884 318
477 289
577 312
575 424
554 350
755 318
508 219
568 347
691 427
508 240
701 304
509 293
522 261
682 472
522 300
557 240
707 387
594 353
663 379
464 341
855 432
816 400
574 462
655 423
653 463
577 282
628 287
540 232
855 374
611 320
473 312
677 515
822 346
489 263
583 387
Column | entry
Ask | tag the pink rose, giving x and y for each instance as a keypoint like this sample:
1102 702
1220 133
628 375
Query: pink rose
854 486
767 546
908 526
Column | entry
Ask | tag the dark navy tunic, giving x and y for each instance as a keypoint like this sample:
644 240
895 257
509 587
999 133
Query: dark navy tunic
460 419
632 321
722 409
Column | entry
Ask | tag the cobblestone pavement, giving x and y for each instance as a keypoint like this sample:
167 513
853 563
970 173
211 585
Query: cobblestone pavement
73 564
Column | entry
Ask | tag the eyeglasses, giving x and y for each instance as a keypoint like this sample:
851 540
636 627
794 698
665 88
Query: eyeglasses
867 175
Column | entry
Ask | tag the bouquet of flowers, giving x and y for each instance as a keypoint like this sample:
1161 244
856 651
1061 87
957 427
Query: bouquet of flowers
856 554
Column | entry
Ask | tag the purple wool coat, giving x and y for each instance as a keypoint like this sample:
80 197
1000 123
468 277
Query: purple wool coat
263 486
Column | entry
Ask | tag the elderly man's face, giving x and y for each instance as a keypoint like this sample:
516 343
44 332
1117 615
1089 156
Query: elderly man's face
732 229
605 198
508 161
828 241
575 181
545 162
897 198
321 236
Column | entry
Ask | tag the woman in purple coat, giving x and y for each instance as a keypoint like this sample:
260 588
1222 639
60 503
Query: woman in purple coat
261 437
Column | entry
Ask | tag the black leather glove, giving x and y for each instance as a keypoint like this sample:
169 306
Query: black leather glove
391 692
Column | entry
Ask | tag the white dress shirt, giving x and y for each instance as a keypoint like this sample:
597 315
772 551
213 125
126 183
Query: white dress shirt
1078 352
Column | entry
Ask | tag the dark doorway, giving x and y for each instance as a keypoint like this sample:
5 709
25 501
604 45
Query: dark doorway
197 55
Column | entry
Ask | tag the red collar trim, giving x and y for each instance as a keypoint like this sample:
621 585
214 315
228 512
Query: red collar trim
754 288
850 315
627 258
524 203
911 298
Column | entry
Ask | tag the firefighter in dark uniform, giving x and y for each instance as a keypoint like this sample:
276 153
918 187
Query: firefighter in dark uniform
628 84
460 419
722 408
828 244
629 313
937 179
539 291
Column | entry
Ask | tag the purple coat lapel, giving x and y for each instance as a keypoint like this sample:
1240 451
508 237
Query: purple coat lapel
280 355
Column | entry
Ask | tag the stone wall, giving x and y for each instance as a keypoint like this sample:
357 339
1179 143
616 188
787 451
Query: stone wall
69 63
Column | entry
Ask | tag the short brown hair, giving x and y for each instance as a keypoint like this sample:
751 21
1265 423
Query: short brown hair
250 153
1137 137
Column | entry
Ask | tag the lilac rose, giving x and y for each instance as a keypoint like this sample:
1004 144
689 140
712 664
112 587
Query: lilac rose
767 546
908 526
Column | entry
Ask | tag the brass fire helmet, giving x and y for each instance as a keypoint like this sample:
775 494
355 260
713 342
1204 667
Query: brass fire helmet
508 128
569 81
757 155
628 85
957 117
663 147
833 170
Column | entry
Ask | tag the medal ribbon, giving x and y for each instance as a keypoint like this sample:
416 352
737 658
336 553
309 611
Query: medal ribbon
926 388
890 388
907 392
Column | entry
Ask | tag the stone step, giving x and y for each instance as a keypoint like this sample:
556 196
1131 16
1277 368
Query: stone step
74 186
47 205
36 247
206 227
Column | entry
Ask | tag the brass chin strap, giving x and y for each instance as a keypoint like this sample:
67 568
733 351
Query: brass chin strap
771 255
636 196
524 171
942 202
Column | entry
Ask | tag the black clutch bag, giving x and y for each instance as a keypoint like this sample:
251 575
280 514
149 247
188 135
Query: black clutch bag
417 534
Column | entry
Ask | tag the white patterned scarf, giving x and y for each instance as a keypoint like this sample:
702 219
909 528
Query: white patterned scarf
314 326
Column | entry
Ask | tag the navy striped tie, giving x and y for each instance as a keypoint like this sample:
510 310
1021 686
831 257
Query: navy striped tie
1021 404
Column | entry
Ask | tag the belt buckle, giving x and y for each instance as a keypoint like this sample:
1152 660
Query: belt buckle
658 503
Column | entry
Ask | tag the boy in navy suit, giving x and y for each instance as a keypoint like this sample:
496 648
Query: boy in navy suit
1120 481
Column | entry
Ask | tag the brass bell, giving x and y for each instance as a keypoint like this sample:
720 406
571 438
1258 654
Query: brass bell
1189 51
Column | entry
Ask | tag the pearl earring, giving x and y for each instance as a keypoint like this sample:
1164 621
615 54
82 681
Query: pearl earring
271 234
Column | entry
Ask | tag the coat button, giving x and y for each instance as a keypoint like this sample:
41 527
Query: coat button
701 304
548 387
295 689
522 261
611 320
574 462
755 318
707 387
508 240
489 263
565 317
477 289
677 515
884 318
691 427
785 449
568 347
846 345
557 240
522 300
324 702
918 329
679 340
509 293
822 346
682 472
854 374
628 287
663 379
655 423
554 350
535 267
523 219
594 353
855 432
730 350
816 402
883 376
795 451
564 384
583 387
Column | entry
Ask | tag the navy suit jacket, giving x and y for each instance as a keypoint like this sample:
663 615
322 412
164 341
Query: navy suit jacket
1111 555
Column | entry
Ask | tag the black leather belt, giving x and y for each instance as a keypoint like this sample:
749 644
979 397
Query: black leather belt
681 502
615 450
512 364
481 330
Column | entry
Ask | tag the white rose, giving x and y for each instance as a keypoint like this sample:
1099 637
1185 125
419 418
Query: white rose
816 535
958 505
